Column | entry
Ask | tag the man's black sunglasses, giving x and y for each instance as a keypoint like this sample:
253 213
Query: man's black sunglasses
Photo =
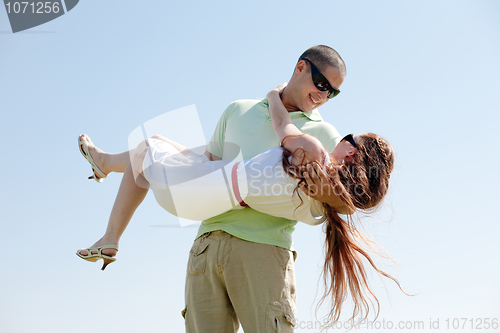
350 139
321 82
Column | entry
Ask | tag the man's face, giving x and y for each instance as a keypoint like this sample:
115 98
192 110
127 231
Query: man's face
306 95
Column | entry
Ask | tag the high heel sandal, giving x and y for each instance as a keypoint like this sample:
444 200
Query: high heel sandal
83 145
93 257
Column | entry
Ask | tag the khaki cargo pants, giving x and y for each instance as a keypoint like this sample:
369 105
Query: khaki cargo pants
230 280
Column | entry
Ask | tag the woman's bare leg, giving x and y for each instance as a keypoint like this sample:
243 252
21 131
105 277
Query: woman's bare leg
129 197
118 162
132 191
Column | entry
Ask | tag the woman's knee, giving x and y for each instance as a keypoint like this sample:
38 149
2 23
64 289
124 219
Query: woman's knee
158 137
144 143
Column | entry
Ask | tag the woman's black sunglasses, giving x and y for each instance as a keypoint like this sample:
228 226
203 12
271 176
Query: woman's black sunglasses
350 139
321 82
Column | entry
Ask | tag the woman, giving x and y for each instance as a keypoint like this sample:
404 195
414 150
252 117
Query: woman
357 176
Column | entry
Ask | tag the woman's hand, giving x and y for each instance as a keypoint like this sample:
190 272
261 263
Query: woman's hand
278 90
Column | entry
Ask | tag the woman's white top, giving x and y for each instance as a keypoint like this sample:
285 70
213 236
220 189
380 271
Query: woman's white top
192 187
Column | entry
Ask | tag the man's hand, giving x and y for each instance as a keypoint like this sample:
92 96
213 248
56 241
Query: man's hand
212 157
305 149
319 187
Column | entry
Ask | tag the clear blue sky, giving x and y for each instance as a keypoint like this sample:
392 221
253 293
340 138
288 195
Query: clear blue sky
423 74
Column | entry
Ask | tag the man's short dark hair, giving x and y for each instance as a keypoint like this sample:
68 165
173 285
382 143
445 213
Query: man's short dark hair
323 56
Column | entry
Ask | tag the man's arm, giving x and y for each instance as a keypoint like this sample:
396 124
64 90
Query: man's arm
211 156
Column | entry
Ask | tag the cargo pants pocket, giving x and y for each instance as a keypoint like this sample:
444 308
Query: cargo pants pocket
284 256
197 259
280 318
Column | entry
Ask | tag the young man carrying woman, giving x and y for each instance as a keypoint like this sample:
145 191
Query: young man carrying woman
241 264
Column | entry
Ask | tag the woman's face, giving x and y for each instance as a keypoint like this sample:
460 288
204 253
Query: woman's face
345 151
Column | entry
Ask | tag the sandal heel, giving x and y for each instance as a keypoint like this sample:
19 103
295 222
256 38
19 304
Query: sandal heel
106 263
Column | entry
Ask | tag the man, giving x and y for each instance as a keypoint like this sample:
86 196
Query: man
240 268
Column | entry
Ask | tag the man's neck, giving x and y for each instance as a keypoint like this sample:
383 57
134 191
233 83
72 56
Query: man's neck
288 102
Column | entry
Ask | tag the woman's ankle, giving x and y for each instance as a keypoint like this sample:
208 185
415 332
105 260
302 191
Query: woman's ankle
108 239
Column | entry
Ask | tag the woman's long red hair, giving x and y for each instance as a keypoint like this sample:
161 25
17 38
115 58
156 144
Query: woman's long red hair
361 185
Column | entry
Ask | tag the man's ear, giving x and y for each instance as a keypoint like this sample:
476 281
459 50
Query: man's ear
300 67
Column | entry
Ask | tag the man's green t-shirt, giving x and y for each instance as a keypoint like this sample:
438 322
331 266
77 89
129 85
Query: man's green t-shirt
247 123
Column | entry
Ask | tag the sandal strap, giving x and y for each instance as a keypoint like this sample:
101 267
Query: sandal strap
84 149
97 249
109 246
